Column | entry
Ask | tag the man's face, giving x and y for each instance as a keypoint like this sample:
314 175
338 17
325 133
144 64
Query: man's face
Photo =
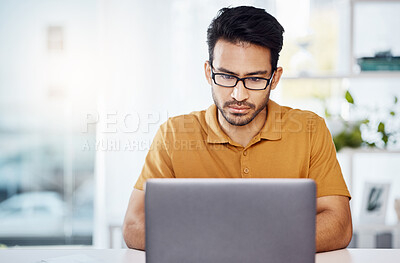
238 105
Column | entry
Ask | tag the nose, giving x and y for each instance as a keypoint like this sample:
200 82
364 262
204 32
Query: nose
240 93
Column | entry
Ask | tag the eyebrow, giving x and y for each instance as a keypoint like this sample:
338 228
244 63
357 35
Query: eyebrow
260 72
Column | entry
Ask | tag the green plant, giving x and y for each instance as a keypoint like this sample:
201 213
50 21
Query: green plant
388 129
349 137
352 133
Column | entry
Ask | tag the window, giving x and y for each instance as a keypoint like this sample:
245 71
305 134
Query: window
46 178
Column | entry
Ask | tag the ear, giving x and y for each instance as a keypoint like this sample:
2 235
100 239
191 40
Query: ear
276 78
207 71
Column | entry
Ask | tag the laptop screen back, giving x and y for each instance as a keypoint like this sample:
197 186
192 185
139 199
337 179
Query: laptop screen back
230 220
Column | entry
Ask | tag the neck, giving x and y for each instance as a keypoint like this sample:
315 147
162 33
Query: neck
243 134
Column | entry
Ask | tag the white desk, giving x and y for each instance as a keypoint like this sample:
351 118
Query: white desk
359 256
129 255
98 255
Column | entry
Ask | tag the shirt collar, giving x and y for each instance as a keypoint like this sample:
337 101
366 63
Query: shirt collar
215 133
271 130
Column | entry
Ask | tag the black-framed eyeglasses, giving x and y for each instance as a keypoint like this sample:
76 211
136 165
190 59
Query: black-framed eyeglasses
230 81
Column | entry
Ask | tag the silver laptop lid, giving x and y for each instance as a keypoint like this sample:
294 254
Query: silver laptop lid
230 220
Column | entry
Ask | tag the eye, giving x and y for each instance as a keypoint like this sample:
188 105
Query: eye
254 79
227 77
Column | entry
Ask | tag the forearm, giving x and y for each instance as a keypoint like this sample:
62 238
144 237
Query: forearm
134 235
333 231
133 228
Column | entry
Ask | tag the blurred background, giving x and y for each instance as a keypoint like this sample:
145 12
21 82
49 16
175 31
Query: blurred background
84 86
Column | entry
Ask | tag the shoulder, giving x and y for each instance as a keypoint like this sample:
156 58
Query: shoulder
297 120
295 116
193 122
289 113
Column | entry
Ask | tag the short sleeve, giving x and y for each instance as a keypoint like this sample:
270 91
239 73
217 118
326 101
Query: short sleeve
324 166
158 162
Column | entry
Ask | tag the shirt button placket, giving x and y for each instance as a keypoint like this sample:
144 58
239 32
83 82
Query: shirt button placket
244 164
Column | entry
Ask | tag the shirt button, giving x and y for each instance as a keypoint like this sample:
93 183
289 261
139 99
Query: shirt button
246 170
244 153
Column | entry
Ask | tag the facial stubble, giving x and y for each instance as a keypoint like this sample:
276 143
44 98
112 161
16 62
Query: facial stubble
239 122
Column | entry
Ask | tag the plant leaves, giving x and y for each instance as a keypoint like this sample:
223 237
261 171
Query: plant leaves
395 99
381 127
365 121
327 114
385 139
392 113
349 98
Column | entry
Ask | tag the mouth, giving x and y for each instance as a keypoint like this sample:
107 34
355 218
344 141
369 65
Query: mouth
238 109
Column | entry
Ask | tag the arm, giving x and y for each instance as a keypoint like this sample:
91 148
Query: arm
334 224
133 227
157 164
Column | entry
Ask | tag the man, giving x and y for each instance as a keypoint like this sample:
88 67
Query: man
246 135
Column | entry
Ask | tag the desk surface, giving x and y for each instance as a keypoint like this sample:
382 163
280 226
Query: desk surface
130 255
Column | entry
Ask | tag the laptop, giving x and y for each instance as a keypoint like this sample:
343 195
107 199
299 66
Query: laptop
230 220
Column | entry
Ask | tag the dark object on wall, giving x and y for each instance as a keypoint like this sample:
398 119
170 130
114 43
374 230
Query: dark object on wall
384 240
382 61
374 197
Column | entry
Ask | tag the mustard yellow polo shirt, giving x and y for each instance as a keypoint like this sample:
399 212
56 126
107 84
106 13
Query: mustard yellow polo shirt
292 144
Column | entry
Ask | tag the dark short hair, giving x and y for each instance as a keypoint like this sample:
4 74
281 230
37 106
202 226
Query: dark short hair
246 24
